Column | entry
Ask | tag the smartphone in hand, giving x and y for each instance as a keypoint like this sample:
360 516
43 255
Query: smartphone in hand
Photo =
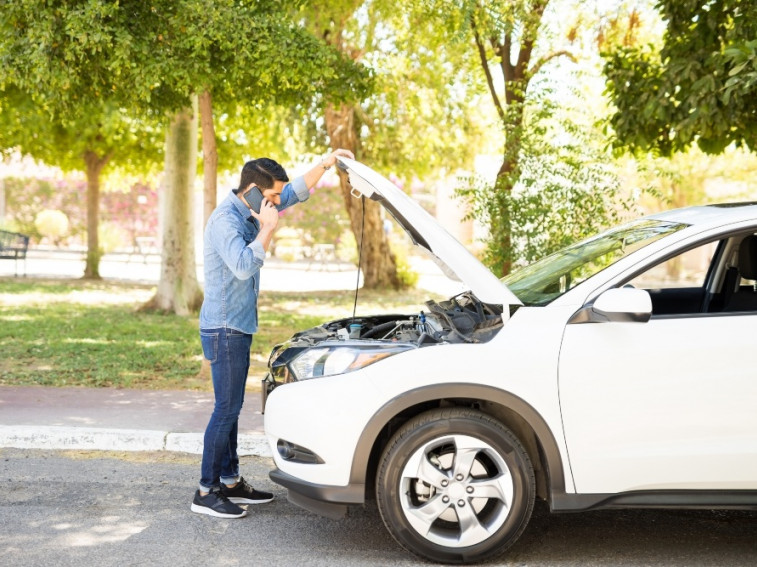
254 198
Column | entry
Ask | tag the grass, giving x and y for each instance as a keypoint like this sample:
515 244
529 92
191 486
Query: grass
85 333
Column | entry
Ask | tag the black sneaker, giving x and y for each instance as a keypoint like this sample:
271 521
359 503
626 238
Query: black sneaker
215 503
243 493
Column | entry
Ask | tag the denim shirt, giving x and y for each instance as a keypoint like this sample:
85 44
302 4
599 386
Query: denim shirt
233 260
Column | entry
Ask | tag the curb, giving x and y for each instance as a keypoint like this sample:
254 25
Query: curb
101 439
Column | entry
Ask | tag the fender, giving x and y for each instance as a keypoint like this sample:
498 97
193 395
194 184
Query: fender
555 470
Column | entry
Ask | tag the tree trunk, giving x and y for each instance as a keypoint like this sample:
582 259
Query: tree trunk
378 262
209 156
93 165
178 289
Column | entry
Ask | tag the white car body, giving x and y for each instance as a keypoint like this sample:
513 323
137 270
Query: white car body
612 410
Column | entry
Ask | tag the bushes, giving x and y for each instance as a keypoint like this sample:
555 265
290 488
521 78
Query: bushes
52 224
124 214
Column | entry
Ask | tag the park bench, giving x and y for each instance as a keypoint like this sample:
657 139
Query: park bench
13 246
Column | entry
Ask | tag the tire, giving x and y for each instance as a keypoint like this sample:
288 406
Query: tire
455 486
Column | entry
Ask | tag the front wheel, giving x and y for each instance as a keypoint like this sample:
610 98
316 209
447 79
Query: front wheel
455 486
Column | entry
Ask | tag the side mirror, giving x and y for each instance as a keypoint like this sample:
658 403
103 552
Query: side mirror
619 305
623 305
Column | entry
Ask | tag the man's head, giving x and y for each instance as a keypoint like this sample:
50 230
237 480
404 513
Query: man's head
267 175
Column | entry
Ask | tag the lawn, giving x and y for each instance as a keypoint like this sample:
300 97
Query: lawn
84 333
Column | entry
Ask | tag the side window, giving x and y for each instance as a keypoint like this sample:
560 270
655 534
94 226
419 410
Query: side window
677 285
686 270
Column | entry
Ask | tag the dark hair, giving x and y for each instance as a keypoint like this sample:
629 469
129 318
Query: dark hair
262 172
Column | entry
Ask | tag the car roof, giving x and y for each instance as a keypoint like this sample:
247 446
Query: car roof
711 215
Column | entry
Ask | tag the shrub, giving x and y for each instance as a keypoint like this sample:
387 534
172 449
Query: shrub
52 224
112 237
408 278
346 247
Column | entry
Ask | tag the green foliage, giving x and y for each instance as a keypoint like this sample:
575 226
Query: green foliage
92 66
408 278
692 178
566 190
701 87
421 112
425 112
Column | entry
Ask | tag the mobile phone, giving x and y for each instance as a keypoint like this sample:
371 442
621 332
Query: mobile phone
254 198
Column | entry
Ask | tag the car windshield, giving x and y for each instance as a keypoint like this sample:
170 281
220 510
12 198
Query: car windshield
543 281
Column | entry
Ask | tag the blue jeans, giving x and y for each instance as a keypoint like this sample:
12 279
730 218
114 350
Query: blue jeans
228 351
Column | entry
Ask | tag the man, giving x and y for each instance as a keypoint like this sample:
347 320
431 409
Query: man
234 246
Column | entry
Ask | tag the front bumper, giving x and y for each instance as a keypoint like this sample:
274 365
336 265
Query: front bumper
329 501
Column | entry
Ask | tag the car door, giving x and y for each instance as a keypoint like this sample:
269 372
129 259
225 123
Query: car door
666 404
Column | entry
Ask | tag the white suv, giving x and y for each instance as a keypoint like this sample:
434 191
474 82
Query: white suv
617 372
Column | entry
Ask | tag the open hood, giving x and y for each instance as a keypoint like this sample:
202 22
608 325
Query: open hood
452 257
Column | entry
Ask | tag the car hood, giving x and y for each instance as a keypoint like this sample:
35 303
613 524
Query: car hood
452 257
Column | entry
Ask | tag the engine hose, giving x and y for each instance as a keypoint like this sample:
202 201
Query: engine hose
378 329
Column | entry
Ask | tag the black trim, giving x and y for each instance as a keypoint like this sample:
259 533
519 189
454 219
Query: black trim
329 501
590 314
437 392
703 499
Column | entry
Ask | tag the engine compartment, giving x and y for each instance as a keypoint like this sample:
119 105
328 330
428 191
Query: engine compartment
461 319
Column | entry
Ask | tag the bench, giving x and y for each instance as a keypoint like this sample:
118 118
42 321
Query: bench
13 246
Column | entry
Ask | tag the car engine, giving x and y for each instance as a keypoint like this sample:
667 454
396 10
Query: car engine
461 319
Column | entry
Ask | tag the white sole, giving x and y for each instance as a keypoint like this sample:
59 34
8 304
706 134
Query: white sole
238 500
210 512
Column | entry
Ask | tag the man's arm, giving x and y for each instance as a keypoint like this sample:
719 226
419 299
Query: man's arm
316 172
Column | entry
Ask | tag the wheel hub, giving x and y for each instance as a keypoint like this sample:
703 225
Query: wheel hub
456 490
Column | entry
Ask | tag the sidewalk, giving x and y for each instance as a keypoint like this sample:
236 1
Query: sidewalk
108 419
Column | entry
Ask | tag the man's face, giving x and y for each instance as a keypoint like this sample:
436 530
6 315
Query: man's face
273 194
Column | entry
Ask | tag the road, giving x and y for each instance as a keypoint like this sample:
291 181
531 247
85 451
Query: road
107 509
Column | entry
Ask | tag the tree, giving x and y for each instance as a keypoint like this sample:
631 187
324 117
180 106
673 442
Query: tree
156 57
329 22
88 143
38 113
505 39
231 52
178 290
415 120
701 87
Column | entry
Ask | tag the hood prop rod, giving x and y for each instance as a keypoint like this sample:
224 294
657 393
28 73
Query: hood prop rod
359 255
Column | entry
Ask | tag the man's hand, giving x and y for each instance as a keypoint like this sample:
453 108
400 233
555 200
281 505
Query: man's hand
268 219
268 216
329 160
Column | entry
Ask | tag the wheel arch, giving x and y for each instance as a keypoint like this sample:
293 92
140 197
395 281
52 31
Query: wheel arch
511 410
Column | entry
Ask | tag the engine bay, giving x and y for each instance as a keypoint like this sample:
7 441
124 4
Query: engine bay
461 319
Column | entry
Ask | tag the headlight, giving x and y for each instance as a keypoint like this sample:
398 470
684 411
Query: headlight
327 361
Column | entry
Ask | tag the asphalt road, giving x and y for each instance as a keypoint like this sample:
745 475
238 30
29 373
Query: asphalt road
102 509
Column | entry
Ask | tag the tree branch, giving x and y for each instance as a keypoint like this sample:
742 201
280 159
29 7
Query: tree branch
485 65
507 65
547 58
